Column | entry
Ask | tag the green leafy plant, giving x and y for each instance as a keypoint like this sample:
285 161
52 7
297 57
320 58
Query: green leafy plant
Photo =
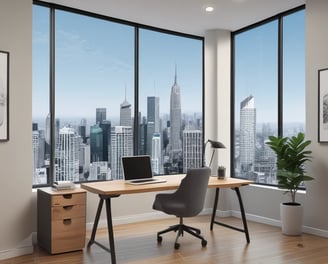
291 157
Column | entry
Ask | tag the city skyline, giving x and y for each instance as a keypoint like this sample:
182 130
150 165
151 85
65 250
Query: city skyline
89 63
83 156
253 159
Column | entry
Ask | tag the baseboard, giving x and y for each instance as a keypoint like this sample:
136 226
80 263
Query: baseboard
23 248
207 211
257 219
127 219
274 222
315 231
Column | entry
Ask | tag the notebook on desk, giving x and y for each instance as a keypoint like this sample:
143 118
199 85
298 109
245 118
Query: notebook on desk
137 170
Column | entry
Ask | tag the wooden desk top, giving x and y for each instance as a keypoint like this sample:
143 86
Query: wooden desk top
119 187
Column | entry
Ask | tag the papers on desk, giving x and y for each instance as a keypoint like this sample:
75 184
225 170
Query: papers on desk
64 185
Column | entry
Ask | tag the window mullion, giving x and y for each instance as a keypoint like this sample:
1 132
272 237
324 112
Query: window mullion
280 76
52 97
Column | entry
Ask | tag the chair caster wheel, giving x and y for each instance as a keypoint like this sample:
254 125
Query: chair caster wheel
159 239
204 243
176 245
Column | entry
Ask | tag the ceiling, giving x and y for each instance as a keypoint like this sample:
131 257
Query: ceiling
187 16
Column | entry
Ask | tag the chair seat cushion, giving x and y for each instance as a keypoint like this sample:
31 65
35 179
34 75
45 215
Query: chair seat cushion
170 205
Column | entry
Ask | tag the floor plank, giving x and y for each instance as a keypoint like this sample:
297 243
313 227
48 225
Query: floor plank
136 244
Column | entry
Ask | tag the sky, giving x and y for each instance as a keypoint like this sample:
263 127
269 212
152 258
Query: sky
95 66
256 69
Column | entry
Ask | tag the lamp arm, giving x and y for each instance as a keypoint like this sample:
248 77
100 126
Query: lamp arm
211 158
204 149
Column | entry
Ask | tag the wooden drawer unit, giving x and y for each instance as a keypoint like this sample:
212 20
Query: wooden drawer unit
61 217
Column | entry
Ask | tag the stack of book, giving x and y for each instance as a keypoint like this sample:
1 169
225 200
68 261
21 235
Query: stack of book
64 185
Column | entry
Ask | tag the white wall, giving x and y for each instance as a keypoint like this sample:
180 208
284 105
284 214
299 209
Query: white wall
217 96
18 202
316 58
262 204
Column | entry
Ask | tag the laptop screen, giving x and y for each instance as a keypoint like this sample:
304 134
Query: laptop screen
137 167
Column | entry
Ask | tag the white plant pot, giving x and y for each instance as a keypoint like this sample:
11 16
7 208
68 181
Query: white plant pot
291 217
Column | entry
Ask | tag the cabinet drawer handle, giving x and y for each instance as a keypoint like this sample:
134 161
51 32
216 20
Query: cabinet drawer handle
67 221
67 196
68 207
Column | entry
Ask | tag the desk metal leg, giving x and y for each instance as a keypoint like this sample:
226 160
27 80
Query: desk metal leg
110 230
111 248
242 210
215 207
95 223
243 215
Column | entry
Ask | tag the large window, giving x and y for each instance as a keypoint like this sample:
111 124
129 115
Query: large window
94 97
294 73
167 101
269 91
109 89
40 95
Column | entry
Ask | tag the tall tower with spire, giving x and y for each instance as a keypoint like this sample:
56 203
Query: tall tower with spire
125 113
175 120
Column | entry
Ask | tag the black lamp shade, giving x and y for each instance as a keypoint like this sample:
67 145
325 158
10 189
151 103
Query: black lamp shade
216 144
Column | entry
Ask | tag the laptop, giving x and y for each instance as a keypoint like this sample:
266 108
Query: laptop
137 170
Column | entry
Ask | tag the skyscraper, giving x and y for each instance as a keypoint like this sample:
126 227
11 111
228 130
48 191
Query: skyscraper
38 146
153 111
67 155
192 149
153 122
175 120
156 154
142 148
125 114
100 115
83 130
99 171
121 145
96 143
247 135
84 161
36 149
106 131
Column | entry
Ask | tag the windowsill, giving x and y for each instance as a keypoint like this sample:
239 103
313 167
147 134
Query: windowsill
34 190
274 188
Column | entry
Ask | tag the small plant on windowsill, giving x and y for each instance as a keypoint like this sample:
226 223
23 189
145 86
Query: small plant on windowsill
221 172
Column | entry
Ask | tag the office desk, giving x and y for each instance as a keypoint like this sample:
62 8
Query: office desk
111 189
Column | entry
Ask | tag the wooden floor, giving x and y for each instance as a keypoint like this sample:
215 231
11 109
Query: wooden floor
137 244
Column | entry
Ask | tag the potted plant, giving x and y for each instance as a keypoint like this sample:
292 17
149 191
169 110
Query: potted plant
221 172
291 157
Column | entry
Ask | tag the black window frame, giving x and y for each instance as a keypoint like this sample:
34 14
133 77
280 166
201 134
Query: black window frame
279 18
137 26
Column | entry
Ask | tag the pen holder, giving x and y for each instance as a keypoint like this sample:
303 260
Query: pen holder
221 172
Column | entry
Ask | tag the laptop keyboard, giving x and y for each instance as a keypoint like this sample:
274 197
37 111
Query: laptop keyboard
143 180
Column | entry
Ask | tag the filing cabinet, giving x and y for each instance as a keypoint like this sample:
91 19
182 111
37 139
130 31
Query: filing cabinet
61 219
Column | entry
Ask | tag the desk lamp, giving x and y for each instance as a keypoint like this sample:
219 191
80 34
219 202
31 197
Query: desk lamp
215 145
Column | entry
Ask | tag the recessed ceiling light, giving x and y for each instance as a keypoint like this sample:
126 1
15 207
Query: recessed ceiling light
209 8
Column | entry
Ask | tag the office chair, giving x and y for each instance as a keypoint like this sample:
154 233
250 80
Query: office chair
186 201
